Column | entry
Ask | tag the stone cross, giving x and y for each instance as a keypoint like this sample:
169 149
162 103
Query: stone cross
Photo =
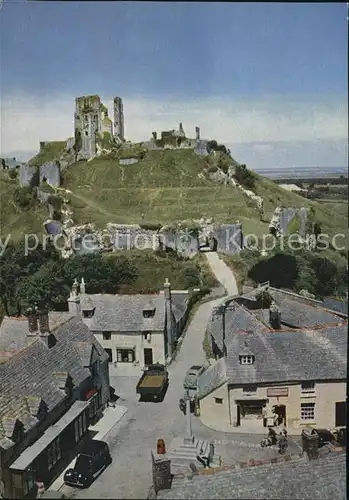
189 432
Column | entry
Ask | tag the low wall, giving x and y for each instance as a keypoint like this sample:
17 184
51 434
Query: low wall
128 237
128 161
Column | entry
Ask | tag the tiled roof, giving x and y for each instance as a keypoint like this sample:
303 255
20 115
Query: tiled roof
32 371
289 356
340 306
318 479
124 313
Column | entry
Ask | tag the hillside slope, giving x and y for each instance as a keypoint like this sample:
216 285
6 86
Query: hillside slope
165 186
173 185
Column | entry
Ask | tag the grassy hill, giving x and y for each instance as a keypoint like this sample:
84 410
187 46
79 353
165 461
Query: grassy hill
165 186
172 185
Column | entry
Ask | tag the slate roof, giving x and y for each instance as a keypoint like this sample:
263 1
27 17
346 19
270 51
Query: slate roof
318 479
212 378
340 306
33 371
124 313
292 355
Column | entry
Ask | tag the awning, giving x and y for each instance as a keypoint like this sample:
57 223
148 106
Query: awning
32 452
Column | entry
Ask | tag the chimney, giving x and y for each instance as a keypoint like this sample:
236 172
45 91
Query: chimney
43 321
74 290
155 135
181 128
32 320
82 287
197 133
167 289
274 316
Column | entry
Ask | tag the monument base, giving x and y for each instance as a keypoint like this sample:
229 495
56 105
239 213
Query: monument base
184 451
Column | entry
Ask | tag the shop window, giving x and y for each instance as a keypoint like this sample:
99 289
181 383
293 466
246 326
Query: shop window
125 355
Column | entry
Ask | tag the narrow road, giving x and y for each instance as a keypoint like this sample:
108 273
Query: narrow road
131 439
223 273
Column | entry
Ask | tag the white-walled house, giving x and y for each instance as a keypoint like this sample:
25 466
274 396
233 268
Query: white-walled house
136 330
291 357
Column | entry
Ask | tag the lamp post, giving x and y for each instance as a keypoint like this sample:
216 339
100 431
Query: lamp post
189 438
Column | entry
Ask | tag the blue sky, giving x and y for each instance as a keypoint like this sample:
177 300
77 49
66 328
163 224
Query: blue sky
252 75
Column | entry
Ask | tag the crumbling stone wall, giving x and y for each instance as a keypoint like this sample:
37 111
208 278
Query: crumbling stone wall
128 161
184 242
126 237
229 238
26 174
51 171
283 216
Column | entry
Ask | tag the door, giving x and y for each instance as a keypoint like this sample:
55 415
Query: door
340 414
148 356
238 415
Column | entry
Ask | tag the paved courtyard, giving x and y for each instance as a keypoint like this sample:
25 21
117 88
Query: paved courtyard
131 439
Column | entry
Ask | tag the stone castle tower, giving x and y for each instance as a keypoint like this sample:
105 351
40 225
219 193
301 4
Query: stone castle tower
118 119
91 118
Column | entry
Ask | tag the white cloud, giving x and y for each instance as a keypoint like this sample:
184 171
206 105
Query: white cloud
26 120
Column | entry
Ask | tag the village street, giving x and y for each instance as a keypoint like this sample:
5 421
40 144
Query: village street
130 440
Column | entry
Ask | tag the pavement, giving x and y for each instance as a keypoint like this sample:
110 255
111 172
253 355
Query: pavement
136 433
100 430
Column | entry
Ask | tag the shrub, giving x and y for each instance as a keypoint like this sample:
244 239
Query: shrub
264 299
150 226
24 196
244 176
12 174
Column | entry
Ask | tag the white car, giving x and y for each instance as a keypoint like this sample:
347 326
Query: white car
192 375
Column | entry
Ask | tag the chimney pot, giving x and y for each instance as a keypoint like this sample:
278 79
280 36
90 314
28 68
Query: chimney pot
43 321
32 320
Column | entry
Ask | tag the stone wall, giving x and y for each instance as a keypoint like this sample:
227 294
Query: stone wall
125 237
283 216
184 243
128 161
229 238
52 173
26 174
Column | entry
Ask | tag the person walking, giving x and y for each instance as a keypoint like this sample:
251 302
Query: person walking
282 443
40 488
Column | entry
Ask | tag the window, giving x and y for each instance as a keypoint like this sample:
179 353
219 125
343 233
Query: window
125 355
106 335
308 387
94 406
88 313
249 389
54 453
146 335
307 411
80 427
148 313
246 360
110 354
219 401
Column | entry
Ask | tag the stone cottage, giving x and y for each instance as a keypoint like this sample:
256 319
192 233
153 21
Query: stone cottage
135 330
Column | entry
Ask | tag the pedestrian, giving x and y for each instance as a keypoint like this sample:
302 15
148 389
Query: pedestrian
40 488
282 443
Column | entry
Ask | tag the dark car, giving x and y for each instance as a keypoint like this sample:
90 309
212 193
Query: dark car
93 459
325 436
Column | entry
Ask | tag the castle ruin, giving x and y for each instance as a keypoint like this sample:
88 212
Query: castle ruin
92 122
118 119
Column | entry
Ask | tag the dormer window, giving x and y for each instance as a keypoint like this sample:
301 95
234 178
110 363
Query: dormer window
148 312
88 313
246 359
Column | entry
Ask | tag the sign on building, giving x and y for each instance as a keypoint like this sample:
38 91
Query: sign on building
277 391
